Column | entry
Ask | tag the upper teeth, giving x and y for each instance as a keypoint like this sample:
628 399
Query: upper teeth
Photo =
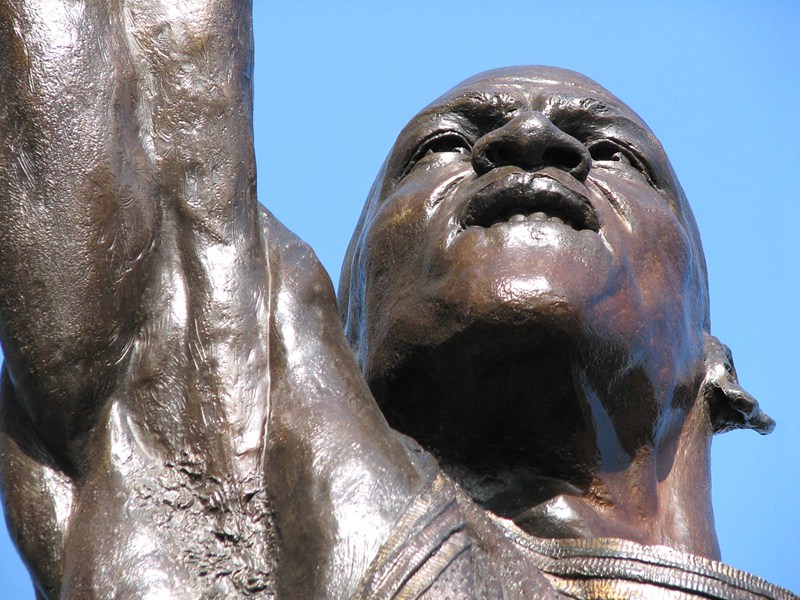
536 216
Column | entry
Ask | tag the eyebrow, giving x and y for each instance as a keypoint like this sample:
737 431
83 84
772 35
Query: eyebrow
477 104
471 104
599 108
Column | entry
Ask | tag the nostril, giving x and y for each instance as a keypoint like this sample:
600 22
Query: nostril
564 158
499 155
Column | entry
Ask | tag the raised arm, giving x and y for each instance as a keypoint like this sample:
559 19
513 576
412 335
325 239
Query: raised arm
126 157
177 382
79 210
133 287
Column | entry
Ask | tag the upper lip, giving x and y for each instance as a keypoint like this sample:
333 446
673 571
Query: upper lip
522 192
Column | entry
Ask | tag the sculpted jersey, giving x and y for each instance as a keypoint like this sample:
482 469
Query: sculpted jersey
447 547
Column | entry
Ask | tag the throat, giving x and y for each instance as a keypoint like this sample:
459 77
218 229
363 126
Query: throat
643 501
534 439
548 507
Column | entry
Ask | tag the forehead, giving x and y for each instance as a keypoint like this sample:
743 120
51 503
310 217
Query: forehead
527 87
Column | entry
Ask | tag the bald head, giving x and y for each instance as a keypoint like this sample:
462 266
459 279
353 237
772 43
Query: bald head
448 130
526 207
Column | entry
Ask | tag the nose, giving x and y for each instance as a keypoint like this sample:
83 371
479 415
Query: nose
531 141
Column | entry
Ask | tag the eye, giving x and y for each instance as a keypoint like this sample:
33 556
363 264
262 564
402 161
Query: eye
438 143
606 150
449 141
615 152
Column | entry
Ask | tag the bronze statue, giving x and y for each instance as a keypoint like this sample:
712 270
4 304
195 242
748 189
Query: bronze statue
182 415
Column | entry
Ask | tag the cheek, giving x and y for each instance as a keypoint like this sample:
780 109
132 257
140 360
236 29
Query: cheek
395 233
398 240
389 259
656 286
400 233
667 331
663 264
653 244
672 335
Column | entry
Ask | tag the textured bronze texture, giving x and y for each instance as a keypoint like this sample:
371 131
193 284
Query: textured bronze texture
520 403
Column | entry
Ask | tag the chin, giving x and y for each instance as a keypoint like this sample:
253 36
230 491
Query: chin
525 297
520 269
518 318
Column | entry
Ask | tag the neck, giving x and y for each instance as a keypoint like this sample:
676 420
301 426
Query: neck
660 497
564 463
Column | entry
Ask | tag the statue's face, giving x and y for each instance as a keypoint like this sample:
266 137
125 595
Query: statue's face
527 200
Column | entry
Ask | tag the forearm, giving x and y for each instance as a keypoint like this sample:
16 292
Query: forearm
126 165
194 67
76 220
133 287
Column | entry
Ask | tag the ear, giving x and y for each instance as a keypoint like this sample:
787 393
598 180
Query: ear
731 407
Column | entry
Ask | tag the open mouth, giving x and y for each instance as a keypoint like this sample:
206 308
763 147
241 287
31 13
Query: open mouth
525 198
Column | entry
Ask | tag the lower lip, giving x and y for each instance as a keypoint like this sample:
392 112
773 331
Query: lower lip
514 236
536 217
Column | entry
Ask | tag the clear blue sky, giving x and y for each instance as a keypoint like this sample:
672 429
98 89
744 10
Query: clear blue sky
719 83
